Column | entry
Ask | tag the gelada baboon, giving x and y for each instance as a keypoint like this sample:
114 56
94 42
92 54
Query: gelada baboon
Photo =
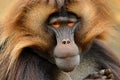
43 39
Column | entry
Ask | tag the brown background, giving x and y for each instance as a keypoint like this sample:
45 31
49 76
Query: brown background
115 5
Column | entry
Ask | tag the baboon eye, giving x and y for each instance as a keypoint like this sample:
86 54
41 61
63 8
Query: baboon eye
70 24
56 24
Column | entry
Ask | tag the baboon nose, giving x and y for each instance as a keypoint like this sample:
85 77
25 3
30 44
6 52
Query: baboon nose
66 41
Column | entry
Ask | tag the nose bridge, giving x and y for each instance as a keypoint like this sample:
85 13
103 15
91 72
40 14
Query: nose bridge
65 35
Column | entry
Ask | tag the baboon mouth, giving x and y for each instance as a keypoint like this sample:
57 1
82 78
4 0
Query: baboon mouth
68 64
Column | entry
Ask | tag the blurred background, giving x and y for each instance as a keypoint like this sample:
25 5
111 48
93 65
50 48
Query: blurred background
114 4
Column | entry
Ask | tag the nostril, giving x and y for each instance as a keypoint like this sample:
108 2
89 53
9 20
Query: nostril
66 41
63 42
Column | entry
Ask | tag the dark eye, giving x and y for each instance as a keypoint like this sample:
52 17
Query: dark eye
56 24
70 24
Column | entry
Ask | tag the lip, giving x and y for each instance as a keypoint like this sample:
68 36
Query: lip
67 64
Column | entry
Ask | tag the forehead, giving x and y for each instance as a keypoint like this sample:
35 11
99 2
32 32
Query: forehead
57 3
49 6
70 5
41 9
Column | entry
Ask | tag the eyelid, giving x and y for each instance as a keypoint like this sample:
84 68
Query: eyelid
71 23
56 24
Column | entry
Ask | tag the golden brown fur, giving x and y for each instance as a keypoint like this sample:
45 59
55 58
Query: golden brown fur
24 27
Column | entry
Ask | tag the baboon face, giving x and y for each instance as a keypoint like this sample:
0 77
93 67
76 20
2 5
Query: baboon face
60 29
